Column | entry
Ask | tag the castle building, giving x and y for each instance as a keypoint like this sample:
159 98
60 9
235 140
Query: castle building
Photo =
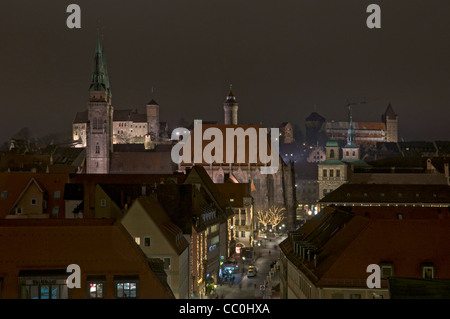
100 121
318 129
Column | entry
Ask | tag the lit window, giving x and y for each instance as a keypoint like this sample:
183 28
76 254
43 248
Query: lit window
96 289
428 271
137 240
126 288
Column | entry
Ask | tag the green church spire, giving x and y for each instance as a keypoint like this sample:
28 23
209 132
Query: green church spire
100 79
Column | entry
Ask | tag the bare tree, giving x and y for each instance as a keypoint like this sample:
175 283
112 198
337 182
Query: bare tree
272 216
263 217
276 215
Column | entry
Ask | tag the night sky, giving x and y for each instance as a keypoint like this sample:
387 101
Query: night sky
284 58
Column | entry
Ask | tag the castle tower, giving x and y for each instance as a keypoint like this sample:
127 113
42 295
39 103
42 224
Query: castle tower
391 120
153 120
230 108
350 150
314 129
99 126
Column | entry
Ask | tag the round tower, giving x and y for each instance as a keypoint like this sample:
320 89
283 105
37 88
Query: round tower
153 120
230 108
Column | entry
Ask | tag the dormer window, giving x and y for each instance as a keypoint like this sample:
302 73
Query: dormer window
428 270
387 270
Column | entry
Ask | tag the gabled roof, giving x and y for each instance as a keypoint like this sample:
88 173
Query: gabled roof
314 116
210 186
152 102
16 183
157 214
184 204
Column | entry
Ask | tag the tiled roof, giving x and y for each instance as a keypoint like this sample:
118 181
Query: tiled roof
389 193
138 118
98 246
142 162
414 288
122 115
235 191
157 213
343 245
80 117
14 183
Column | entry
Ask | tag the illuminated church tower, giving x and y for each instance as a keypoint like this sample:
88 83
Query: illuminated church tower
350 151
99 125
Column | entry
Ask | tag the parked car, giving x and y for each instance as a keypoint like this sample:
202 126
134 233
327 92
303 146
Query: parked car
251 273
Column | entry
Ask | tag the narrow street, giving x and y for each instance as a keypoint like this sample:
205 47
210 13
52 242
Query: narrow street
245 287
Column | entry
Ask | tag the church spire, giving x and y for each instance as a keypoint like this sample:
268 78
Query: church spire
100 80
351 131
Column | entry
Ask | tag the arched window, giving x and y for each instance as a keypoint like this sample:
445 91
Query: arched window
97 149
331 153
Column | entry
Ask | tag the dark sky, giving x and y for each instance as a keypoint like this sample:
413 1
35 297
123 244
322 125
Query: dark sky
282 57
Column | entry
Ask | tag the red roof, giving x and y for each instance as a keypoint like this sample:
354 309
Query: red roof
14 183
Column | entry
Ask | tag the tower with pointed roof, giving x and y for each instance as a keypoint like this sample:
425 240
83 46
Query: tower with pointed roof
230 108
350 151
390 118
153 119
99 116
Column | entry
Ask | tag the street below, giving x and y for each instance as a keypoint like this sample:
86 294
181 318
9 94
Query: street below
261 286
